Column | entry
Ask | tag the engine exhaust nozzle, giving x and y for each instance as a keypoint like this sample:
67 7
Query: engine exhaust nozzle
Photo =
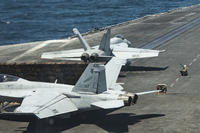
85 57
93 57
128 98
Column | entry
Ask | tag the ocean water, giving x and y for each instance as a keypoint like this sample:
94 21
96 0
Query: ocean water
33 20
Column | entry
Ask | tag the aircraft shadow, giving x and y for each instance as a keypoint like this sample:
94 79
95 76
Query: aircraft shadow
143 68
110 122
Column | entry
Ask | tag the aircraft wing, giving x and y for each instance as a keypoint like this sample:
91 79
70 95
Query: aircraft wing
134 53
74 54
44 103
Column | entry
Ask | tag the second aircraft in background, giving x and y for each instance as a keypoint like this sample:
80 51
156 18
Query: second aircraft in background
108 48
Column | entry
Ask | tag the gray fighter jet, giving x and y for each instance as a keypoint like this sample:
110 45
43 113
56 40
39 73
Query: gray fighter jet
96 89
117 46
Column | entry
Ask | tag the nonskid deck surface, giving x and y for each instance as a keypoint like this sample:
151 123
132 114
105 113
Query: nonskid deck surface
178 111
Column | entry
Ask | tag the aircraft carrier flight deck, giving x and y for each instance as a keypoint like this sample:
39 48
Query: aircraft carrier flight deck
177 32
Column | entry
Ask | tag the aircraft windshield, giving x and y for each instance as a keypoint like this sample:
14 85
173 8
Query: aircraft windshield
120 36
7 78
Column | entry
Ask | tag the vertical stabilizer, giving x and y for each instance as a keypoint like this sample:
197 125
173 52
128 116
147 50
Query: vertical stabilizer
113 68
97 78
92 79
105 42
82 40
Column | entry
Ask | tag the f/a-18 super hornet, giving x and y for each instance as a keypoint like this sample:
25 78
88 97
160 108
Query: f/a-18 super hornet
117 46
96 89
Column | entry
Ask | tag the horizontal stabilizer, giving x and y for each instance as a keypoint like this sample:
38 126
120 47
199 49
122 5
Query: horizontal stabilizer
109 104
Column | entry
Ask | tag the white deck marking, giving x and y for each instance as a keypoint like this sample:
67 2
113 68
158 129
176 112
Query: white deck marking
194 60
172 85
38 46
177 79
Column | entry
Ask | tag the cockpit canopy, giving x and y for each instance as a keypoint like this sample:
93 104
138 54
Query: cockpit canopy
120 40
117 39
7 78
120 36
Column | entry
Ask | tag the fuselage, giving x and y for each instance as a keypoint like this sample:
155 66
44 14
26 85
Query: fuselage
95 54
14 91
